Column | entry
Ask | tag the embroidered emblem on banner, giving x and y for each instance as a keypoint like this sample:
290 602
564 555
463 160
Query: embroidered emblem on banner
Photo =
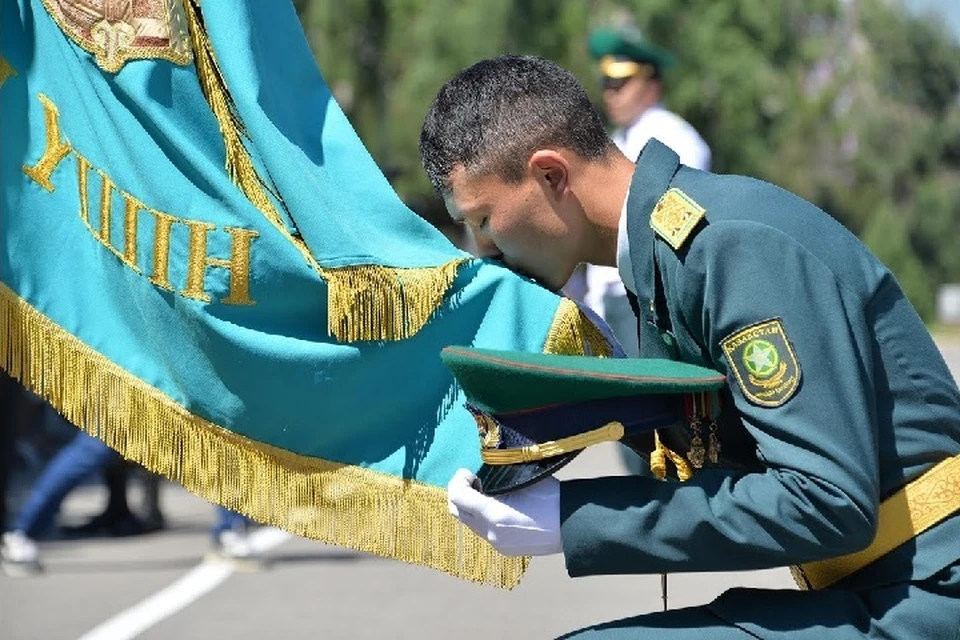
116 31
675 216
763 362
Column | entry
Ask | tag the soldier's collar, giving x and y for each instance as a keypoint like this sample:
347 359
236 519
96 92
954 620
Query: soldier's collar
656 167
623 249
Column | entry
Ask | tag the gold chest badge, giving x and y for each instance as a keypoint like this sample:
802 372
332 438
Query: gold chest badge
675 216
763 363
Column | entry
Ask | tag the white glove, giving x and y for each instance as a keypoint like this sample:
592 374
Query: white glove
525 522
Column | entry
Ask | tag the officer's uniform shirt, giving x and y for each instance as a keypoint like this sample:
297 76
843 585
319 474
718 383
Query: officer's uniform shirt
803 470
668 128
603 290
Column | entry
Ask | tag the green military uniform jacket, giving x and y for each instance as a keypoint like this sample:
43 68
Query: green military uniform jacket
863 403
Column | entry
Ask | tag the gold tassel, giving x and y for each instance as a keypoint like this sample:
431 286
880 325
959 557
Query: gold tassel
370 302
339 504
573 334
684 471
658 461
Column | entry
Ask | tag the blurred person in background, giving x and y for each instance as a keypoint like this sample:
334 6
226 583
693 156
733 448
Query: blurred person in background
232 542
10 391
69 468
118 519
631 73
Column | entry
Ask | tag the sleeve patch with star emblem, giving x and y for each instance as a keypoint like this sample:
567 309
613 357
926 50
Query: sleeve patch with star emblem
763 363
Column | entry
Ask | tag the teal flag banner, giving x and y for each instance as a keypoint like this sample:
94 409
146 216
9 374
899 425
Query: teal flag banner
202 265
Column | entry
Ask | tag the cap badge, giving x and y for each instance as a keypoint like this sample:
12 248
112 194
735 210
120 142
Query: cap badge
488 428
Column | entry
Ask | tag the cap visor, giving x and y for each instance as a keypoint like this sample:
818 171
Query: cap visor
499 479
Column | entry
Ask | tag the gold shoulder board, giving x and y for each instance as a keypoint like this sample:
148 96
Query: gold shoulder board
675 216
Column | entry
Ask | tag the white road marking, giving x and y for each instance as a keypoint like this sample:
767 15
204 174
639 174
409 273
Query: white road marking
201 580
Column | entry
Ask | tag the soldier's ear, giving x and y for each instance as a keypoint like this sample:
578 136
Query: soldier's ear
551 169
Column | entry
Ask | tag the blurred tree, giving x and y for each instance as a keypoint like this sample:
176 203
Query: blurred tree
852 104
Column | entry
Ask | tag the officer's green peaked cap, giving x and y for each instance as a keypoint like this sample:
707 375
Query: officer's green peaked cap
503 381
628 43
536 412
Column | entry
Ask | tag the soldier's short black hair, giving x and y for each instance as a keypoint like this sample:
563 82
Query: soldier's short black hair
491 116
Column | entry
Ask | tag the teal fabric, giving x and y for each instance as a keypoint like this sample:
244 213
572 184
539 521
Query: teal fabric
677 624
875 408
928 609
338 197
268 371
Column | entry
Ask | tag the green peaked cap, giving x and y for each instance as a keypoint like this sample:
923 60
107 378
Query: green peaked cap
536 412
628 43
502 381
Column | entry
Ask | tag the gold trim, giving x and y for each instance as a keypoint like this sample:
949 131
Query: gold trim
917 506
612 67
610 432
339 504
573 334
371 302
658 461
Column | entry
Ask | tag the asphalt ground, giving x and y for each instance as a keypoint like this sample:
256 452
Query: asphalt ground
162 586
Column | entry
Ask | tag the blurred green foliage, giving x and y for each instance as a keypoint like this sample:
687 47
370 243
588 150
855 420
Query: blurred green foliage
852 104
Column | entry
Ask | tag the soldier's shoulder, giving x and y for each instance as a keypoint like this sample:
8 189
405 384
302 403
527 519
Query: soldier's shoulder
677 217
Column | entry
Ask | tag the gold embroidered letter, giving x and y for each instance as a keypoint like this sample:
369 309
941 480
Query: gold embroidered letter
56 150
83 167
106 209
161 249
238 264
131 211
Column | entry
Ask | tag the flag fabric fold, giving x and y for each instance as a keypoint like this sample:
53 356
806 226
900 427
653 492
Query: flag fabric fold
202 265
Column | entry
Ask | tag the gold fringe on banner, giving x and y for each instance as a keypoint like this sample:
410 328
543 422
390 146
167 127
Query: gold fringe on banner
573 334
370 302
365 302
336 503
